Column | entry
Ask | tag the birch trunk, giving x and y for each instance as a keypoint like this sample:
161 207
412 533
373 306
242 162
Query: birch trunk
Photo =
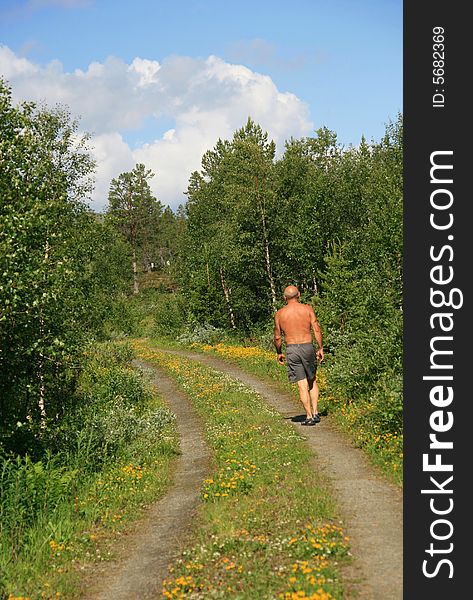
270 274
42 385
226 292
133 240
136 288
267 255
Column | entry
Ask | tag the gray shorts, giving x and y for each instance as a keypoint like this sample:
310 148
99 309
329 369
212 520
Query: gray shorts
300 360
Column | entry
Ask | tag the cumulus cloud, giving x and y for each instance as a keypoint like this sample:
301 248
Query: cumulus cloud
113 156
205 99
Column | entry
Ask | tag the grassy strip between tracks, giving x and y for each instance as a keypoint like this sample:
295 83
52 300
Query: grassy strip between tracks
384 448
267 526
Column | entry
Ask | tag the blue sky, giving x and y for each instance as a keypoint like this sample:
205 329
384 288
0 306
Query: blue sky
335 63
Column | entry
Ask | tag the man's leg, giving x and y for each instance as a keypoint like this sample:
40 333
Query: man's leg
314 395
303 386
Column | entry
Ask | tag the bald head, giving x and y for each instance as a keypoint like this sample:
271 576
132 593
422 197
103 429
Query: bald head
291 292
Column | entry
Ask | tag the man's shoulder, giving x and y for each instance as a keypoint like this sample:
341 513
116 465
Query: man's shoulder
309 308
280 311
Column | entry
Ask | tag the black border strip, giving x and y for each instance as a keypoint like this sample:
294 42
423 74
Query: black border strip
439 124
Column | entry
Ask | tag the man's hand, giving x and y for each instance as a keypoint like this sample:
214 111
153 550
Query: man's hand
320 354
281 359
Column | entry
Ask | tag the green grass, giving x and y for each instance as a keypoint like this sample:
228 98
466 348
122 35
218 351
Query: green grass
268 526
384 449
48 554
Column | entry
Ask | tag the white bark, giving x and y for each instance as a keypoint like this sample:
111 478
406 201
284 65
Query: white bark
226 292
267 256
42 385
136 288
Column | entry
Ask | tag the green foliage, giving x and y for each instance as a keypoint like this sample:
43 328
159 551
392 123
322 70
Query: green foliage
112 382
29 489
108 430
360 304
325 218
170 312
199 333
60 267
110 411
149 229
132 207
115 419
385 409
111 455
230 235
123 318
108 354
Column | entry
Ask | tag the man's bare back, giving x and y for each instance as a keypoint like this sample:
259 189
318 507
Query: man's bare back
295 323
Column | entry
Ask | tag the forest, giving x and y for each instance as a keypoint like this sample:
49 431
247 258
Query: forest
76 285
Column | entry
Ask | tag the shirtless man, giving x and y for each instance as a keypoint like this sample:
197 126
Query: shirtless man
296 322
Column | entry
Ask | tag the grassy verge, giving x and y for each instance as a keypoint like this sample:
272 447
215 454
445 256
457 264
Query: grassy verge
385 449
267 526
59 515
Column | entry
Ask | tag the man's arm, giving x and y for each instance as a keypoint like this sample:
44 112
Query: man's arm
317 334
278 339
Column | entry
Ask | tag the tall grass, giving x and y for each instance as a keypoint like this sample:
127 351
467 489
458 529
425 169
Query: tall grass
109 456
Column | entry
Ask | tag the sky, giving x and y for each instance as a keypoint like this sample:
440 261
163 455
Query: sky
160 81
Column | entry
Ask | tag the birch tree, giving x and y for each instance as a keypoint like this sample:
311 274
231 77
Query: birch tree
50 249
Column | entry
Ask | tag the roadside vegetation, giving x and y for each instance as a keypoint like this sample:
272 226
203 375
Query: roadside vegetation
62 507
84 443
267 526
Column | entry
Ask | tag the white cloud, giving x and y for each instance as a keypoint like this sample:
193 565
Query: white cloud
113 157
147 70
206 99
13 66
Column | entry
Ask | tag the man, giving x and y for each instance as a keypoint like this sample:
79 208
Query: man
296 322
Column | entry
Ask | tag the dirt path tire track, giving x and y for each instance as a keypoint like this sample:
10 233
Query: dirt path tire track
148 551
371 506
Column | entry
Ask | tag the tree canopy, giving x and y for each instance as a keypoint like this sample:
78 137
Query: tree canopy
60 268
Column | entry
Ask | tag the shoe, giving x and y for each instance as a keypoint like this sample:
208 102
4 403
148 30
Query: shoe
308 422
316 418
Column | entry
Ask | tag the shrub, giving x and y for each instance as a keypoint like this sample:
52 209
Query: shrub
263 335
386 403
111 411
170 315
28 489
109 431
202 334
104 385
111 420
